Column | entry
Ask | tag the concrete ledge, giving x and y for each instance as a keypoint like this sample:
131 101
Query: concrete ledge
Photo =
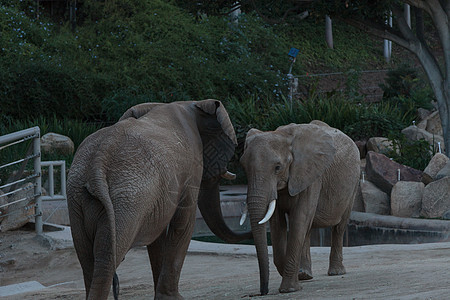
374 220
19 288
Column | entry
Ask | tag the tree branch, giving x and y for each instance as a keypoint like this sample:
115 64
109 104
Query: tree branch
423 4
375 29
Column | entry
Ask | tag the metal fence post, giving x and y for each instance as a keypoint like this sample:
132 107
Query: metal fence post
38 182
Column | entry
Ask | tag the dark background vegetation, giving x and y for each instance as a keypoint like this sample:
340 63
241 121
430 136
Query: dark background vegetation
74 80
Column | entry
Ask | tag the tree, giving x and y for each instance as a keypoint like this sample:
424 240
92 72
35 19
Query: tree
370 16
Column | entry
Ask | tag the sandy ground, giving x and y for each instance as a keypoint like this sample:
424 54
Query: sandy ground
420 271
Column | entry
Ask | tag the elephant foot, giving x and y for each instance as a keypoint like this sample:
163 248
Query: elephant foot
336 270
176 296
289 286
304 275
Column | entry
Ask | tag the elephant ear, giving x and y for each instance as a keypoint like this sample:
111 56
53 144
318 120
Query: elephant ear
139 110
218 137
313 151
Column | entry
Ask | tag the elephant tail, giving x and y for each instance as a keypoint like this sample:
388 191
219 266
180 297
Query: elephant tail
97 186
116 287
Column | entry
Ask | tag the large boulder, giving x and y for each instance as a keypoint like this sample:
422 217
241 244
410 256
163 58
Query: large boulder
56 143
374 200
444 172
422 114
415 133
436 198
433 123
446 215
436 164
358 204
406 199
383 171
379 145
19 213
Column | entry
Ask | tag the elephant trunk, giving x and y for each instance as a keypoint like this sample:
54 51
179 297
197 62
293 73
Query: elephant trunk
257 208
209 205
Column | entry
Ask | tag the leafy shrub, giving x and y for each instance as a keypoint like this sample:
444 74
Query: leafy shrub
42 89
415 154
404 89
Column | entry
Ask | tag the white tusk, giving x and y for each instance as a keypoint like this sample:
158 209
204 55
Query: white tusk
228 175
244 216
269 213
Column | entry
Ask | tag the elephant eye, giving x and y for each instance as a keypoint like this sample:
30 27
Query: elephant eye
277 168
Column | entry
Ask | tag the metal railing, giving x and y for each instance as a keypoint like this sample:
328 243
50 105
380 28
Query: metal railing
34 154
51 182
51 185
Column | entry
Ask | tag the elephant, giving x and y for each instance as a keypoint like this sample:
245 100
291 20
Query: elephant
299 176
137 183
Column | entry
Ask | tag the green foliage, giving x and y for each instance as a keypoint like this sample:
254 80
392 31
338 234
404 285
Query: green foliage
415 154
404 89
151 50
126 52
43 89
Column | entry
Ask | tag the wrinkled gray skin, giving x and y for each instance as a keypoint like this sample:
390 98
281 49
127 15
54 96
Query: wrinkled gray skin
312 170
136 183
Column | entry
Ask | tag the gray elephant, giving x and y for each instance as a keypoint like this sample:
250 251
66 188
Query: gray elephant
136 183
299 176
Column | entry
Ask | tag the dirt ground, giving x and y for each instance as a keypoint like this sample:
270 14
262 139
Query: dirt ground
420 271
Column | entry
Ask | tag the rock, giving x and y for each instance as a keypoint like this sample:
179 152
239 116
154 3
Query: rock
415 133
436 164
57 143
446 215
358 204
422 114
21 212
375 200
444 172
406 199
362 148
383 172
379 145
434 124
436 198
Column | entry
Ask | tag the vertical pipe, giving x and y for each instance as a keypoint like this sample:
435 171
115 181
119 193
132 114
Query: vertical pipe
51 184
63 179
38 181
329 32
387 48
407 14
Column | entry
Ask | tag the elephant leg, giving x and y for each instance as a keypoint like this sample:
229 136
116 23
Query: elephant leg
300 220
83 247
175 248
155 251
278 234
305 272
104 264
337 239
82 239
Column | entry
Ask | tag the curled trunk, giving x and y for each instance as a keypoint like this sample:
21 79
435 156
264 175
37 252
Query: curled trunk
209 205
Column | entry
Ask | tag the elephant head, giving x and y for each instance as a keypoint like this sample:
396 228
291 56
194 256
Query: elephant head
287 160
219 142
